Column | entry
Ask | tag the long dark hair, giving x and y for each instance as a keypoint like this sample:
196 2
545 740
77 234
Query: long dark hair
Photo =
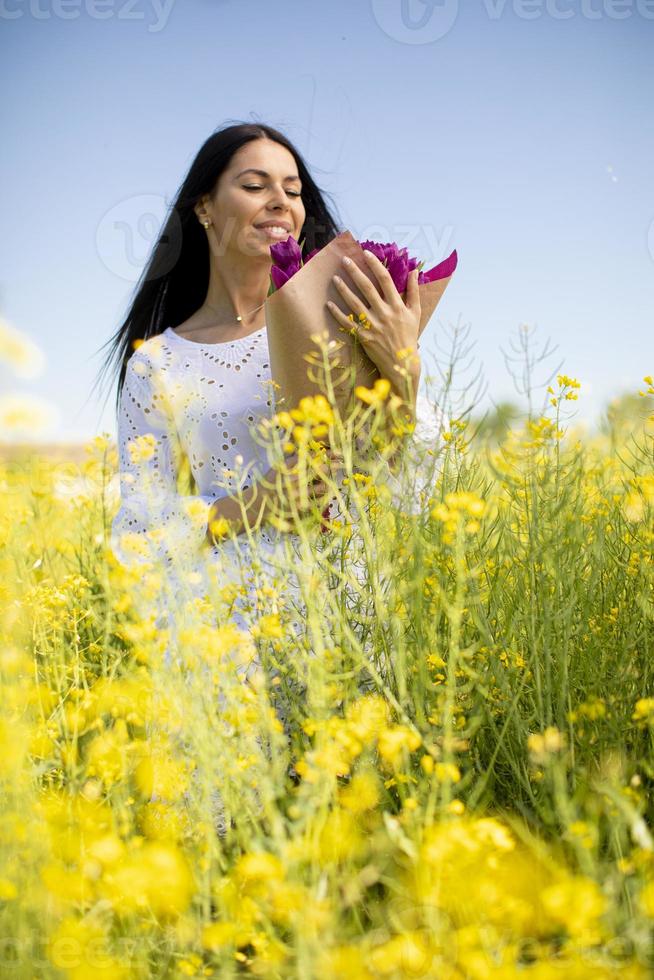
174 282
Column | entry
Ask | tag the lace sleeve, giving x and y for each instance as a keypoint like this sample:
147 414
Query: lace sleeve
155 523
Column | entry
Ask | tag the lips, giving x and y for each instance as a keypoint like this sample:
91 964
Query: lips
273 235
275 224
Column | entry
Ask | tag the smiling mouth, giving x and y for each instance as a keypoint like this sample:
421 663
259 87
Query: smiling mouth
276 233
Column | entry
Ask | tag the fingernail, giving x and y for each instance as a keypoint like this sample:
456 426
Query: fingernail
347 261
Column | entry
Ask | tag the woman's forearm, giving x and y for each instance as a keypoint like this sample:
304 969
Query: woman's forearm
265 500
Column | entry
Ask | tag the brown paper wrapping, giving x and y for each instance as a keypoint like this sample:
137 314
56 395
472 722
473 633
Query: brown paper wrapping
298 310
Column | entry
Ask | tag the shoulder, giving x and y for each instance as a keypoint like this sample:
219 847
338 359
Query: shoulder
151 357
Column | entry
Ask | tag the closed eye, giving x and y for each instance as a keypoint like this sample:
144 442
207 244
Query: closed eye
256 187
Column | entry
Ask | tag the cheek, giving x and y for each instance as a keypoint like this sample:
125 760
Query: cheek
245 206
236 207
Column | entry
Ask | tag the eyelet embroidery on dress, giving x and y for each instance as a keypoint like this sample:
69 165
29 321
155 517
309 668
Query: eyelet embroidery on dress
180 396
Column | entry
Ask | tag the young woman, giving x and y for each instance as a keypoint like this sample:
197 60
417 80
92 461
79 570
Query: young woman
194 367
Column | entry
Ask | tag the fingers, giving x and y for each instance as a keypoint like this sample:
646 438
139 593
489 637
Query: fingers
412 294
383 276
353 301
362 282
316 489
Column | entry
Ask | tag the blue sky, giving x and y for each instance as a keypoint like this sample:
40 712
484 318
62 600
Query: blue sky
518 132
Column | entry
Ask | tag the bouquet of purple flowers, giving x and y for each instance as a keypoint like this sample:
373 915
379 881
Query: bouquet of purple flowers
287 260
296 314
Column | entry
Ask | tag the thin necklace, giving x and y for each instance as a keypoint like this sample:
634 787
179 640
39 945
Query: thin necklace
239 318
213 309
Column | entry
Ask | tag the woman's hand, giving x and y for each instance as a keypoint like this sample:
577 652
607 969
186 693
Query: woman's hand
296 495
392 326
263 500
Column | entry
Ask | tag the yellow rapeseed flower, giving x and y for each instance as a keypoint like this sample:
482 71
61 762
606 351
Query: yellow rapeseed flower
644 710
220 527
577 905
408 954
107 755
141 448
565 382
394 742
254 872
313 410
269 627
340 839
368 716
155 877
159 772
8 890
647 899
17 350
25 416
447 772
375 395
220 935
362 793
543 746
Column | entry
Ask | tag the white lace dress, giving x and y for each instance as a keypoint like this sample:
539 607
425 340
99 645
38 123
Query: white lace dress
182 397
199 400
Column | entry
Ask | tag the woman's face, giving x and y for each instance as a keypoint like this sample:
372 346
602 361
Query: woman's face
243 200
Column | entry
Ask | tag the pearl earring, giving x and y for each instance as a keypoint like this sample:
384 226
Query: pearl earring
206 223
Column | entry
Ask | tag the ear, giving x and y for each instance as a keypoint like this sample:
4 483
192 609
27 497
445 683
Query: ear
201 209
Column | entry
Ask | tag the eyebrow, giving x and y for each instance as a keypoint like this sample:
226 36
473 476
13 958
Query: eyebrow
263 173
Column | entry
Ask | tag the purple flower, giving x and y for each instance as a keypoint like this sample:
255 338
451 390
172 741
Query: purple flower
287 260
395 259
399 264
440 271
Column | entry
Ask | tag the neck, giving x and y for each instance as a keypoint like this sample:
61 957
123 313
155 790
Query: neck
237 288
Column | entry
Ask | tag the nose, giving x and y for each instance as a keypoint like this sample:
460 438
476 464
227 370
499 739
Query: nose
280 197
